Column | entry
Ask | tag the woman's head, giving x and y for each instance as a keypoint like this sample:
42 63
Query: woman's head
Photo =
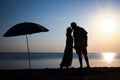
69 31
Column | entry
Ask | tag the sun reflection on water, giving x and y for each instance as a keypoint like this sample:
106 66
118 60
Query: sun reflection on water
108 56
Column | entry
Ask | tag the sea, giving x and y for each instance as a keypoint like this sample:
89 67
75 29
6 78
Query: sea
42 60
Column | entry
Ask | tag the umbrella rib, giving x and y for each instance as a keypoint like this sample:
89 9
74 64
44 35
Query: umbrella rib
28 51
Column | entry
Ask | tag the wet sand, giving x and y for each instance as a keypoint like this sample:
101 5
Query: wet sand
94 73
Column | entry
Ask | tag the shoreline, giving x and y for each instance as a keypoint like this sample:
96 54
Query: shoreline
94 73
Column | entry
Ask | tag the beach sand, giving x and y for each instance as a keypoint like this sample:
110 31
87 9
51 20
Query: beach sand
94 73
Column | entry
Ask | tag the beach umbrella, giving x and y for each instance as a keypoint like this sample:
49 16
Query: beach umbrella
25 28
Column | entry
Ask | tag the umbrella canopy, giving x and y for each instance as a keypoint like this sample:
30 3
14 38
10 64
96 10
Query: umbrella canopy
25 28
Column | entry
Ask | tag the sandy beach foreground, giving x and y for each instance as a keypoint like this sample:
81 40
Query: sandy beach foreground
94 73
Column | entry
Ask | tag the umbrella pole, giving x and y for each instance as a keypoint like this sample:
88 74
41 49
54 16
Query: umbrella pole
28 51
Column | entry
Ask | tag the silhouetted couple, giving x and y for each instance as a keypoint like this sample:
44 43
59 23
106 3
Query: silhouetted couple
80 45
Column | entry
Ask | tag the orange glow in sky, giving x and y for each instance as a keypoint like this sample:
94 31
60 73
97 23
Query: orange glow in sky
106 31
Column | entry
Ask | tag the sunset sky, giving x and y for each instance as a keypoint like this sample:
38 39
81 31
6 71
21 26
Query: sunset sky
101 19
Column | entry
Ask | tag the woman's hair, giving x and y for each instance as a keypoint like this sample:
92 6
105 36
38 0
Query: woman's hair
69 31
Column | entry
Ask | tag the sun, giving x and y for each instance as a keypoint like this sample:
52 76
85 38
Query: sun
108 25
108 56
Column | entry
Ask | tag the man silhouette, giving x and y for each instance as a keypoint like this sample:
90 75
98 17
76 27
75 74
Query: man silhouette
80 43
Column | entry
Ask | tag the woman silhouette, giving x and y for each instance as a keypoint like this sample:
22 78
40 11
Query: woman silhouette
68 52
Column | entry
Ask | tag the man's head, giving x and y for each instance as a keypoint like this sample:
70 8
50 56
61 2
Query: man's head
73 25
